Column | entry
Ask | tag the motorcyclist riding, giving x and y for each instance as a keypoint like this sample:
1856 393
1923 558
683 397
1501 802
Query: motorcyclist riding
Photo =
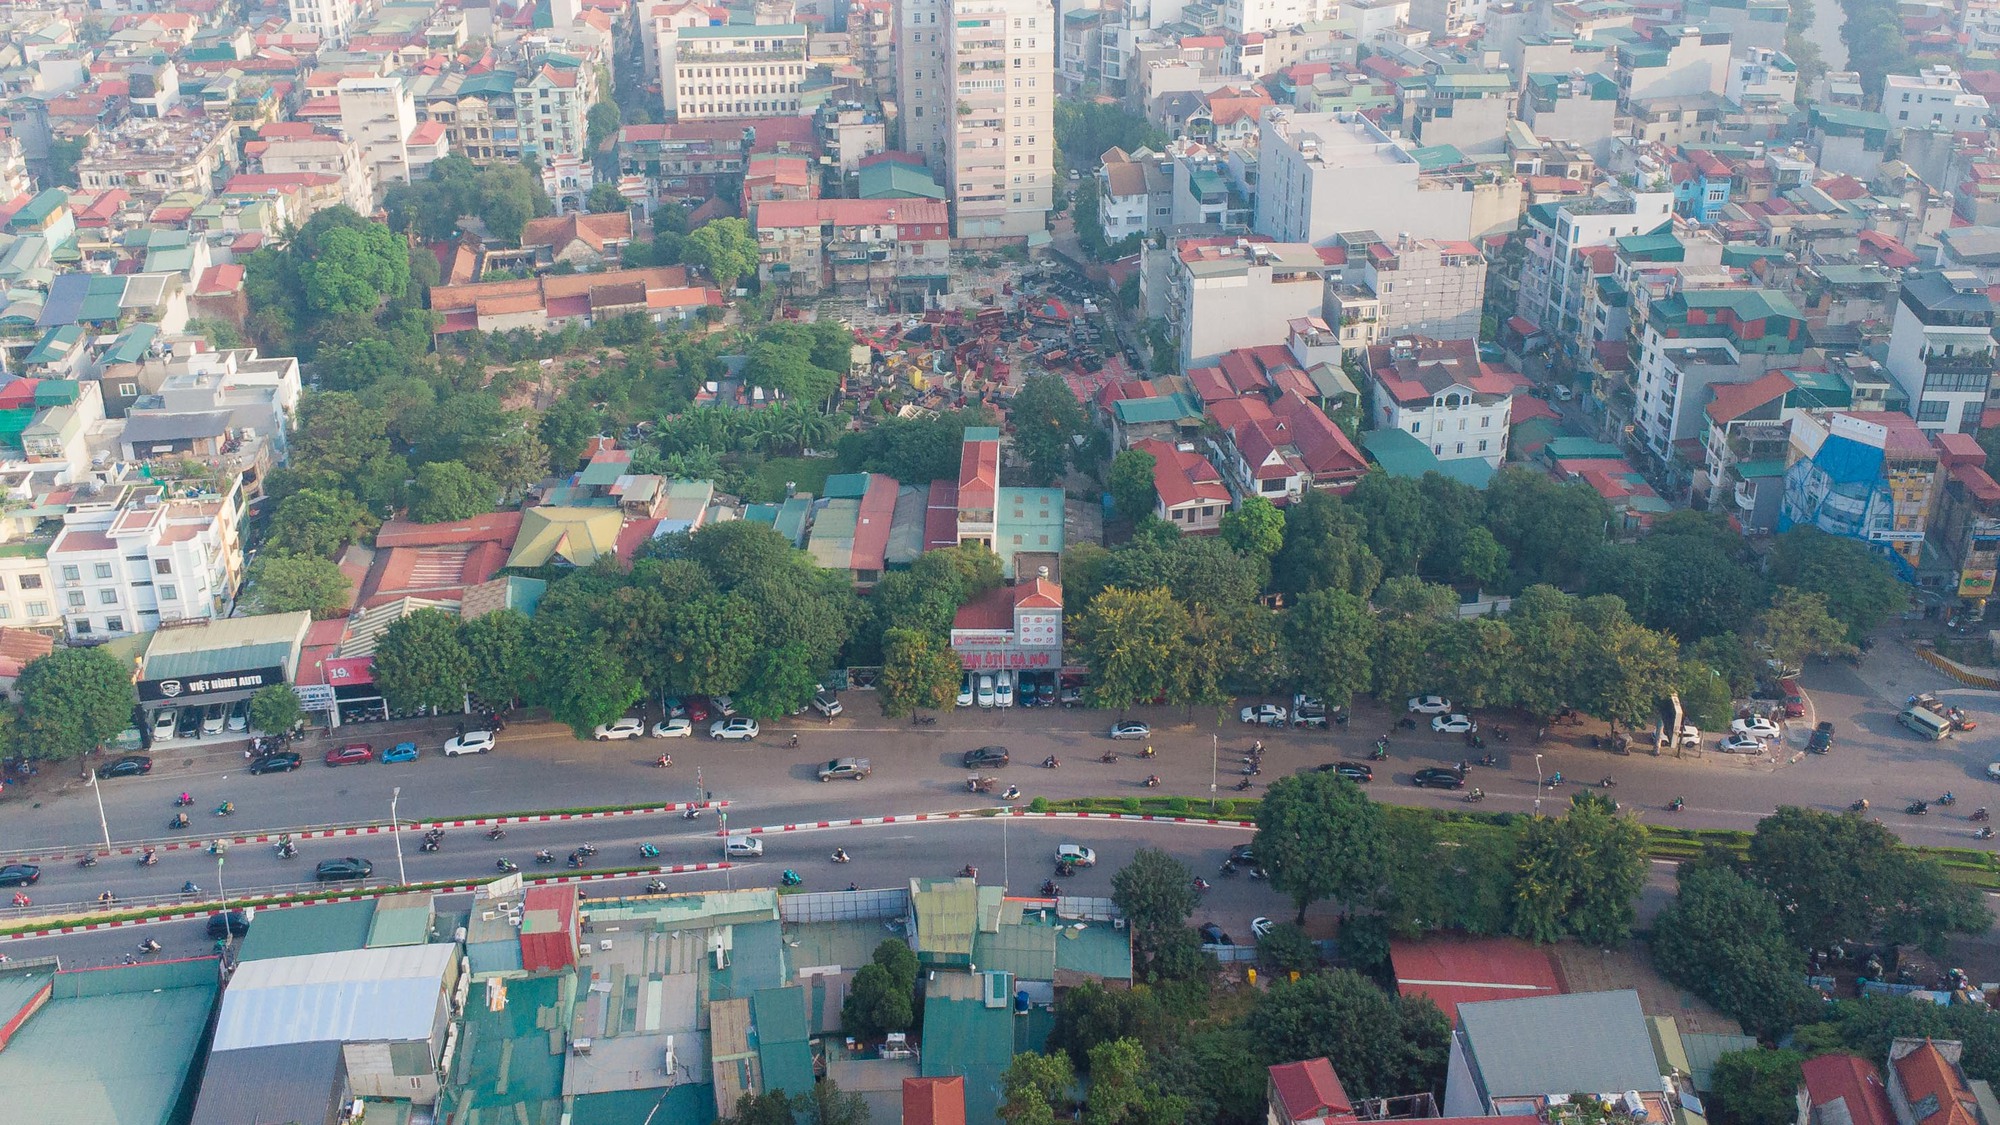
840 855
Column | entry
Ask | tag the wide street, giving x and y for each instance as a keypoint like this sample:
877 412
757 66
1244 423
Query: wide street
918 769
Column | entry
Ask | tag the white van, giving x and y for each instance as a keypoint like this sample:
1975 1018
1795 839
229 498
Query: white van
1925 723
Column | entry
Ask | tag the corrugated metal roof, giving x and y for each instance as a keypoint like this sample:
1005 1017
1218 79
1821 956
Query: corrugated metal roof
115 1045
367 995
1590 1041
227 645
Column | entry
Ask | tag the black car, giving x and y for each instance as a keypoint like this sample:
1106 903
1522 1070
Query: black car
350 868
1352 771
131 765
188 722
986 756
1241 856
275 763
235 924
1211 934
1821 740
1438 777
20 875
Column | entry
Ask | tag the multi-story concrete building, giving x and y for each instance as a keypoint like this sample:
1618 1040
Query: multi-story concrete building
732 71
552 101
1238 296
1557 269
1674 63
922 92
1463 107
1421 287
144 561
312 152
331 20
1582 108
1936 99
1941 349
153 158
1439 393
877 247
999 67
1322 173
478 115
1871 477
1694 338
378 115
1760 76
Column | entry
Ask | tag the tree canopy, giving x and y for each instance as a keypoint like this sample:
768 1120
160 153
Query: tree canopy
73 701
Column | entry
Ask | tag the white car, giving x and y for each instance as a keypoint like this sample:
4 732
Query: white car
1453 724
1742 744
163 724
1757 726
1076 855
1260 926
965 691
1264 714
239 716
1431 705
1690 736
733 729
1993 771
471 742
1003 689
673 728
627 727
741 846
1131 730
722 705
986 689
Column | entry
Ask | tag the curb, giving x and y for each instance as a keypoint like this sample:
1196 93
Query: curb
988 814
363 830
350 896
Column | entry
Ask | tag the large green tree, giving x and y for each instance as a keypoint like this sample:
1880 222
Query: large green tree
295 583
882 998
592 687
918 671
1133 641
318 523
421 664
1847 878
1155 892
1255 527
1047 421
1579 875
275 709
1797 625
1405 1051
1131 484
1722 939
73 701
1758 1086
447 490
1035 1090
724 249
1320 837
1328 637
353 270
496 644
1859 586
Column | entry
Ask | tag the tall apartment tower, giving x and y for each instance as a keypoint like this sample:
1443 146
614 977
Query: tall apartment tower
978 92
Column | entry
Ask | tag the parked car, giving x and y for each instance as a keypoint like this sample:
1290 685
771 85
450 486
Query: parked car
1793 698
1431 705
620 729
234 923
1310 722
131 765
1756 726
471 742
674 707
986 757
846 769
827 704
1821 740
1352 771
673 728
350 754
1690 737
1453 724
697 709
348 868
187 722
1307 705
1003 689
1071 697
163 724
283 762
740 847
214 718
1130 730
722 705
1740 743
239 716
20 875
1212 934
965 690
986 689
733 730
400 752
1264 715
1242 856
1076 854
1438 777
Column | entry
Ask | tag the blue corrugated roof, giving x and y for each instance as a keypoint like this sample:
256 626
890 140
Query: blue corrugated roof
1846 461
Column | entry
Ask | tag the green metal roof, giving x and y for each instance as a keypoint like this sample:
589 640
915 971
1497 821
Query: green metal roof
1752 470
1160 408
1027 951
1432 157
783 1055
506 1069
894 180
54 344
1573 448
1659 246
118 1044
132 344
37 210
1848 118
982 433
1401 454
846 486
333 927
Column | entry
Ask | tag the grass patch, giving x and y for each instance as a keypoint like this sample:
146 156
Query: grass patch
807 474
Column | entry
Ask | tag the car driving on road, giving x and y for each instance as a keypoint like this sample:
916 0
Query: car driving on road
330 870
743 846
20 875
1438 777
986 757
284 762
1352 771
1076 855
846 768
1131 730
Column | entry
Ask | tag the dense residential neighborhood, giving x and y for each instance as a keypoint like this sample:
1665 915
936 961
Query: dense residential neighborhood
1450 539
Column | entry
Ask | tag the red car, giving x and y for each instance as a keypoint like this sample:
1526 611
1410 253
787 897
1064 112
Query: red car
1794 699
350 754
697 708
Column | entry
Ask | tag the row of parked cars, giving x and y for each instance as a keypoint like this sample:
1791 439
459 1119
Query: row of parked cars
195 720
1006 688
1305 711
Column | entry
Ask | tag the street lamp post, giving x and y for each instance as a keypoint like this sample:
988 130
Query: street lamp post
396 831
102 823
1538 785
1214 767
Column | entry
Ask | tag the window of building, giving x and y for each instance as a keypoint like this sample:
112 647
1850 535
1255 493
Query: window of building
1932 410
114 624
170 593
1460 447
69 574
38 609
1416 427
102 570
82 624
1482 446
163 566
76 599
1486 421
107 597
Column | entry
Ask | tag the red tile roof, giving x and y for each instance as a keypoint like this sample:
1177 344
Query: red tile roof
1309 1089
1927 1075
226 278
495 527
871 526
978 474
941 516
1461 970
1959 449
1733 400
934 1101
790 213
594 231
1181 476
992 611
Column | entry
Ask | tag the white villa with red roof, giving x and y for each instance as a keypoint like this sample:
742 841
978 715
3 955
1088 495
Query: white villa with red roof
1438 392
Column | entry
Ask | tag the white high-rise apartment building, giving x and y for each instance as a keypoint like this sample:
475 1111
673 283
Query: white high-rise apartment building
979 93
331 20
378 115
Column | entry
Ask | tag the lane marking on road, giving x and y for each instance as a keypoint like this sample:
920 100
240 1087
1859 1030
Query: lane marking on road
990 814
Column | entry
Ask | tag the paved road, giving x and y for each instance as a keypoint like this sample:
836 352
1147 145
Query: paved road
539 766
1018 854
